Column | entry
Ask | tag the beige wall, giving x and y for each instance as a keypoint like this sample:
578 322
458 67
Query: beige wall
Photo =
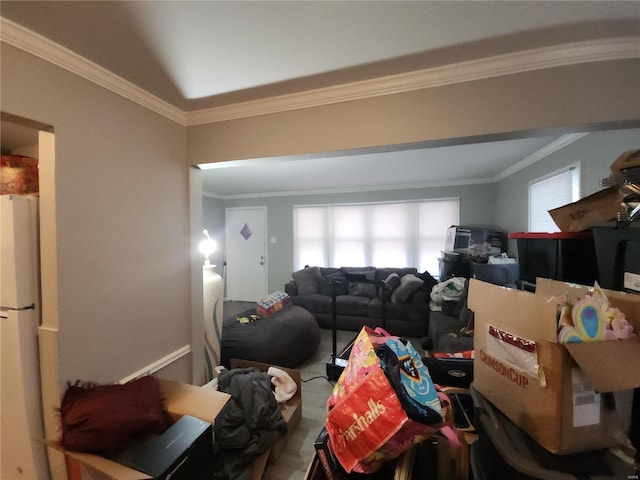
124 265
122 201
559 98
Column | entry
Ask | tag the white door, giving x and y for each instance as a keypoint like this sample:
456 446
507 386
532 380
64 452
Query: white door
246 253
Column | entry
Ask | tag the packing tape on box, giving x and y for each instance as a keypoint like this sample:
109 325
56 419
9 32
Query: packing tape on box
515 356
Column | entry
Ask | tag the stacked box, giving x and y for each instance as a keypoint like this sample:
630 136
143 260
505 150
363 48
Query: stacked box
180 400
272 303
476 242
568 397
18 175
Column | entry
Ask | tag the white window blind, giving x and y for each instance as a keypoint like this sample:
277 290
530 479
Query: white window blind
552 192
399 234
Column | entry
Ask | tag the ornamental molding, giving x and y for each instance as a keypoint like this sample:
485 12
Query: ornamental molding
507 64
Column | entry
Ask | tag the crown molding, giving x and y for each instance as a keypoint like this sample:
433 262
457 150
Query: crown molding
540 154
17 36
528 60
544 152
524 61
373 188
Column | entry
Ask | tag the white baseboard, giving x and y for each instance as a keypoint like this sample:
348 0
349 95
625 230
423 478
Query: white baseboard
159 364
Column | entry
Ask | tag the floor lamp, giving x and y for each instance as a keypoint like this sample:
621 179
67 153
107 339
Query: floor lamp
212 293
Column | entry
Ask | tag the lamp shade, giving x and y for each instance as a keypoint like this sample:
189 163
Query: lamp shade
207 245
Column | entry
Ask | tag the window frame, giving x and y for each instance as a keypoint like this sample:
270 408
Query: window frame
412 239
551 227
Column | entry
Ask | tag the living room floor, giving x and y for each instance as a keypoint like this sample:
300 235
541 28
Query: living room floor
316 389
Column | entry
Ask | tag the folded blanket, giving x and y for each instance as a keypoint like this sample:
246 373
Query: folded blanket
285 386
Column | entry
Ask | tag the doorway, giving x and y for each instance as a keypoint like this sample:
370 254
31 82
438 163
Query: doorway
246 246
34 387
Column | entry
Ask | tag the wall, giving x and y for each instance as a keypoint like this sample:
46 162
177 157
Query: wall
124 265
576 96
503 205
476 205
122 224
213 218
595 153
580 97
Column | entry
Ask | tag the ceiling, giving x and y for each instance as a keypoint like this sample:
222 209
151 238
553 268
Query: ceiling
196 55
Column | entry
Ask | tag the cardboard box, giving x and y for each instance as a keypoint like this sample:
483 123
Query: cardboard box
628 159
291 412
182 452
180 399
554 392
18 175
599 207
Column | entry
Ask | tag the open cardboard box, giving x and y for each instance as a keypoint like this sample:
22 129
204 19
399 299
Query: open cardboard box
561 403
180 399
291 412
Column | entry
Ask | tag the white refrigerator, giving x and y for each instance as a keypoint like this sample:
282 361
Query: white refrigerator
22 452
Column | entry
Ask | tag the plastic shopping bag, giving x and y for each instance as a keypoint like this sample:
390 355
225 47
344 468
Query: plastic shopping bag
366 421
411 381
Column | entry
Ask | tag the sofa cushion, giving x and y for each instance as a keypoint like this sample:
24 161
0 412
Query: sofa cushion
367 290
314 302
368 272
352 305
419 297
429 281
383 272
360 289
391 283
307 280
408 284
328 276
412 312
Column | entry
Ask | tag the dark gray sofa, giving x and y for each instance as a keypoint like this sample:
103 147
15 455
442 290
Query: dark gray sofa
445 327
357 304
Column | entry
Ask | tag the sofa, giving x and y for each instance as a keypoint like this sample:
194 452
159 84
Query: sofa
361 293
451 330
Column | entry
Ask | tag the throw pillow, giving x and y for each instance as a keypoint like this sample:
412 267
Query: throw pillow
408 284
307 280
105 419
360 289
325 287
429 281
391 283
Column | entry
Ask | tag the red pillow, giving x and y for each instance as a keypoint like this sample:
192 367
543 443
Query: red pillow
104 419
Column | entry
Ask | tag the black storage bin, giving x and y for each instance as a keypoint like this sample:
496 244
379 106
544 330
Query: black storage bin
565 256
454 268
618 252
506 274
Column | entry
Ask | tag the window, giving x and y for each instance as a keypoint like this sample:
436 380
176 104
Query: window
551 192
403 234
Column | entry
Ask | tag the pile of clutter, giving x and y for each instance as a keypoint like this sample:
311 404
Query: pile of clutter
448 291
272 303
625 173
593 319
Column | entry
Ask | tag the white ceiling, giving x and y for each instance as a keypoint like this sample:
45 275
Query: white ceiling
411 168
201 54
